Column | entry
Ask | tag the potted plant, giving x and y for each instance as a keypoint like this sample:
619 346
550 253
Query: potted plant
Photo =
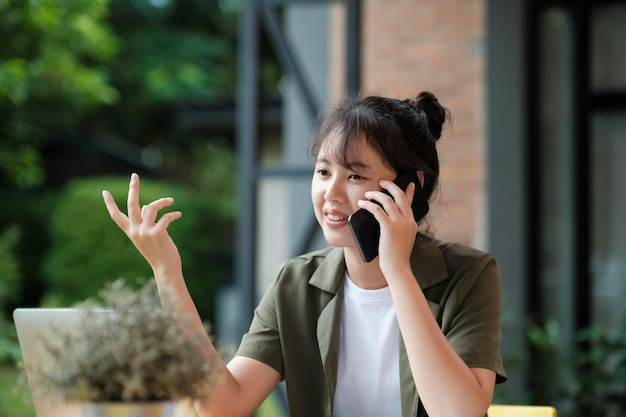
135 359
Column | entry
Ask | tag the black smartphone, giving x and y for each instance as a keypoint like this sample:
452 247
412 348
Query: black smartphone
366 229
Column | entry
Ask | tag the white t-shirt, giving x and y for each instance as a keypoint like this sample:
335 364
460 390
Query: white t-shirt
368 379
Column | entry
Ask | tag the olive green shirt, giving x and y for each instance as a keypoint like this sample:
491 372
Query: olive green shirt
295 328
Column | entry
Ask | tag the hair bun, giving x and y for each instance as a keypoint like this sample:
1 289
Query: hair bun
435 113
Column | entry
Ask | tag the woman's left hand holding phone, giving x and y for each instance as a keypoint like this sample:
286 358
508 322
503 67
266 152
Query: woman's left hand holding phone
149 236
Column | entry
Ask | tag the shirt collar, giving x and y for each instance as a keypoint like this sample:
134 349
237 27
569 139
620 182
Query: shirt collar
427 263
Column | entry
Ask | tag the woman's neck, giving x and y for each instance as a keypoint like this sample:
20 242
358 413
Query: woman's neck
366 275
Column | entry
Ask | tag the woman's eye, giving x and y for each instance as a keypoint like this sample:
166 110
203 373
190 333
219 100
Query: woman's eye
356 177
322 172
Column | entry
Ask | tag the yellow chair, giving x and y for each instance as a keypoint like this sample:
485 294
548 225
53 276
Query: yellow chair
497 410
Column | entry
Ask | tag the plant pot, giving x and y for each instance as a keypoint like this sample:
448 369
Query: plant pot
130 409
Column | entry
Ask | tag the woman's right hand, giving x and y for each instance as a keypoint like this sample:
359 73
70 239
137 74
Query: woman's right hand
243 387
149 236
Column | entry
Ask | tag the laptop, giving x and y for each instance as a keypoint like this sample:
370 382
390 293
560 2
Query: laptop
30 324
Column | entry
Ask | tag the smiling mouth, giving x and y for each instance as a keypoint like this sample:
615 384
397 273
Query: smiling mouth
335 218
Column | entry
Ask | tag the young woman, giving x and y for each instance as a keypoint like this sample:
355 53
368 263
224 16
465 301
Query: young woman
416 331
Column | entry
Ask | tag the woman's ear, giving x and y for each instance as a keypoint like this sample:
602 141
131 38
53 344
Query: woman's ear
420 176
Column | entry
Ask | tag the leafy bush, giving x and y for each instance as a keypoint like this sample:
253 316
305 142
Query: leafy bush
88 250
586 378
8 265
598 383
9 272
28 210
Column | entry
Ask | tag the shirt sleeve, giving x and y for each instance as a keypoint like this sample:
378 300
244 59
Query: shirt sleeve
472 316
262 341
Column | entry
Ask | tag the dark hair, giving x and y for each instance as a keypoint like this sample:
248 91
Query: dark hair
403 132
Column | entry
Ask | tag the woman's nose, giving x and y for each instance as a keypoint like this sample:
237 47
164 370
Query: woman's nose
334 191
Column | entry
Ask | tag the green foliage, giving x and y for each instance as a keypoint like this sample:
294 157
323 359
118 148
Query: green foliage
88 249
8 265
181 65
9 347
213 169
29 211
175 54
586 378
598 383
9 273
15 400
52 73
125 68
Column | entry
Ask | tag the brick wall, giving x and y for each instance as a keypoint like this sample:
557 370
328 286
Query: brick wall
437 45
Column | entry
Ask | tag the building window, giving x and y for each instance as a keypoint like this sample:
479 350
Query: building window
578 143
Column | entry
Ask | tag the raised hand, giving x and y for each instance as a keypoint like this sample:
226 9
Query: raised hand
149 236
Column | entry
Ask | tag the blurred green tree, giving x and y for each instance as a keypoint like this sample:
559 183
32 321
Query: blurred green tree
174 54
52 73
119 73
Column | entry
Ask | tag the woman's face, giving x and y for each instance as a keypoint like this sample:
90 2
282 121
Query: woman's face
336 189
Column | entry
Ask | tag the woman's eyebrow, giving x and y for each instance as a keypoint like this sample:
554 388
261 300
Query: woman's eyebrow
356 165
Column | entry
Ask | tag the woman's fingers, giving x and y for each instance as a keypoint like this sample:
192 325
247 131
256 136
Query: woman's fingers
401 198
150 211
134 212
118 217
150 237
168 218
139 216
